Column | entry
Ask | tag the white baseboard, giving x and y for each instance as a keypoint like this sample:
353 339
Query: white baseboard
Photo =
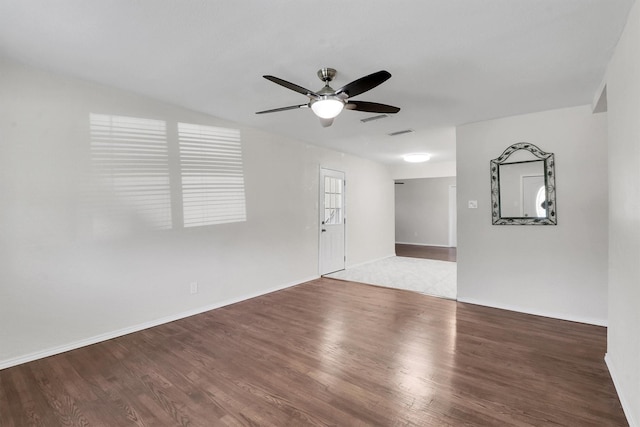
560 316
626 406
424 244
139 327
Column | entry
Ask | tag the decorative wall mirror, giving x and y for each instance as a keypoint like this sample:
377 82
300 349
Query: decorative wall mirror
523 187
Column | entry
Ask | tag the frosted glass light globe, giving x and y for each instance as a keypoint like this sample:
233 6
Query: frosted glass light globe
327 108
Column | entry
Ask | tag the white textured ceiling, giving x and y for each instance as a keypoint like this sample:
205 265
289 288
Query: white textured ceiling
452 61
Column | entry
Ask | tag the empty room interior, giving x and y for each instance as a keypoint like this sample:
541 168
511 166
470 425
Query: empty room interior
182 184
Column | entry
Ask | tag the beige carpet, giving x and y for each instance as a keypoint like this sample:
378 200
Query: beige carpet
431 277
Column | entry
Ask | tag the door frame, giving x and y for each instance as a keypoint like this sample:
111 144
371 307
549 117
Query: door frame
453 216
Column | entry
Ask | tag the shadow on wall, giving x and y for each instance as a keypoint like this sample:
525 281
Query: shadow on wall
144 179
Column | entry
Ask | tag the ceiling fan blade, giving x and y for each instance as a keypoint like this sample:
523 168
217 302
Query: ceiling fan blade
275 110
293 87
364 84
326 122
371 107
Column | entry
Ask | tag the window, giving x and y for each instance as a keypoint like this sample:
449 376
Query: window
332 200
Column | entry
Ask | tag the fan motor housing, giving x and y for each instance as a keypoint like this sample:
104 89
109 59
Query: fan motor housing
327 74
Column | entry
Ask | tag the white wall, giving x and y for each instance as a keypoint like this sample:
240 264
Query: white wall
623 100
61 286
370 212
422 211
423 170
439 142
557 271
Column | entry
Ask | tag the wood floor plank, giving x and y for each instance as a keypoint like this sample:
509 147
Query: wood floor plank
428 252
327 353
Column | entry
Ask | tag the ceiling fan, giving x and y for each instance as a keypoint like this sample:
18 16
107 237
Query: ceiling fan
327 103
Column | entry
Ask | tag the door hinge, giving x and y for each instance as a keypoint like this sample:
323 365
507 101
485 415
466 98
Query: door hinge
345 258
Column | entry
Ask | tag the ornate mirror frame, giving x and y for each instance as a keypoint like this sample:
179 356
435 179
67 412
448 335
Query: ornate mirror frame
550 186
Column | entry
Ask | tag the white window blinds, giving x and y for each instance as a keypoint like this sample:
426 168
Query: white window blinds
212 175
131 163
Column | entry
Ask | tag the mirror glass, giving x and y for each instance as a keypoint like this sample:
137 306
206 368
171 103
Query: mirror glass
523 186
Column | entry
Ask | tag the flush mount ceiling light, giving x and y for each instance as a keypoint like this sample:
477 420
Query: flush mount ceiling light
416 157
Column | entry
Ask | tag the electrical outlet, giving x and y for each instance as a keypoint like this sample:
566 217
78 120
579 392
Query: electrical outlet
194 287
473 204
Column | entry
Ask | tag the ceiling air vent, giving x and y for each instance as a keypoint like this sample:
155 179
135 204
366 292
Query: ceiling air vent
372 118
400 132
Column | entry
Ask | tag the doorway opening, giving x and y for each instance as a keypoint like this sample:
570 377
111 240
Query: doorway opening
426 219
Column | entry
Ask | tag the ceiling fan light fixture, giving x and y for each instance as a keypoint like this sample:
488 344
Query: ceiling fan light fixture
416 157
328 103
327 108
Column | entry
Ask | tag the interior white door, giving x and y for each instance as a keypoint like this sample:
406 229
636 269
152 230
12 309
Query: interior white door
332 221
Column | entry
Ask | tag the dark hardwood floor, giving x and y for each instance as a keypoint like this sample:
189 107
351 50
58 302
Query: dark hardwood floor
428 252
327 353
